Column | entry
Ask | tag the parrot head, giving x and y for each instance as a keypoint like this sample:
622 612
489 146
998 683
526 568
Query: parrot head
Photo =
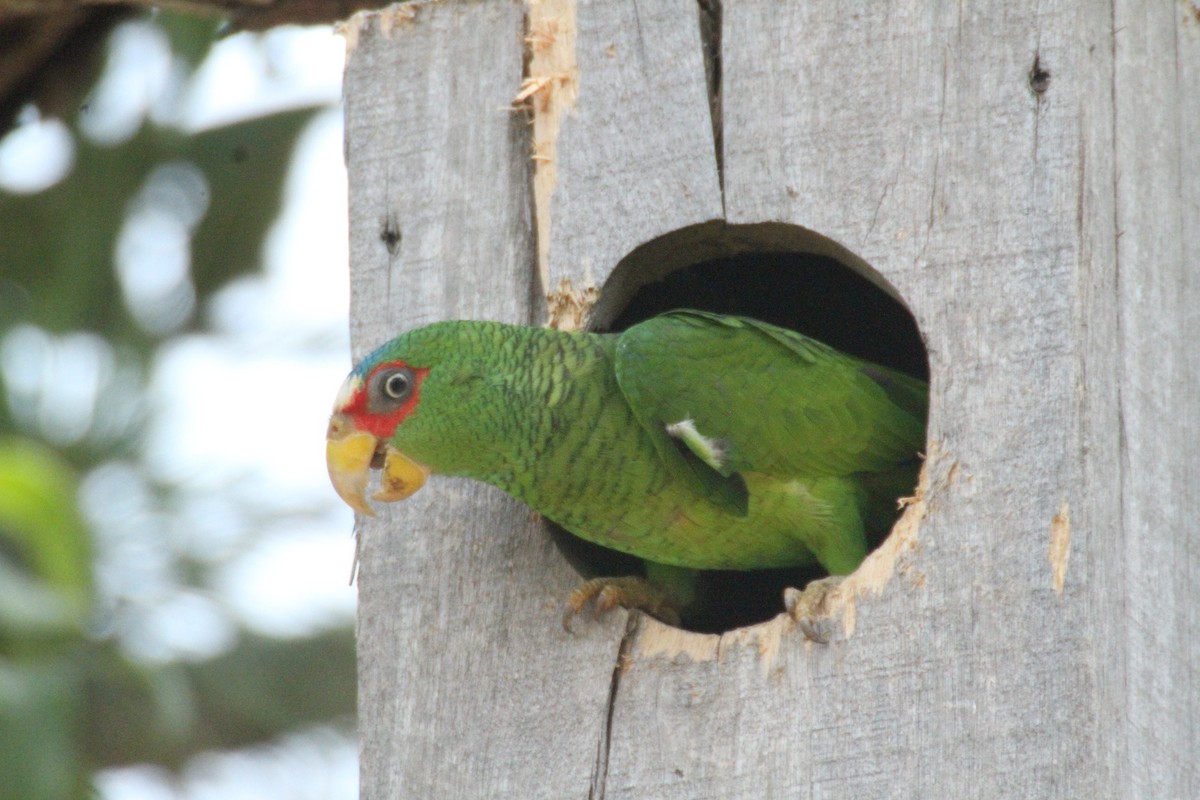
375 399
418 405
439 399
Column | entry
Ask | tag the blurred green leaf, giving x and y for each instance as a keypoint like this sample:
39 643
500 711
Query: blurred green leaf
191 36
245 165
39 525
260 688
39 712
33 616
57 246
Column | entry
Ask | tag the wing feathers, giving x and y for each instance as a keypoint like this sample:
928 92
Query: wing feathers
728 395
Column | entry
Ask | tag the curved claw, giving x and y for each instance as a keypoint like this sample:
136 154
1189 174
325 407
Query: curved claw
604 594
810 608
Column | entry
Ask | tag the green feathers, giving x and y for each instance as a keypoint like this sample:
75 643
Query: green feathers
691 439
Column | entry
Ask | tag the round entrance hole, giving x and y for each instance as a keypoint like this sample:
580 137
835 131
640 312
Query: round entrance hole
777 273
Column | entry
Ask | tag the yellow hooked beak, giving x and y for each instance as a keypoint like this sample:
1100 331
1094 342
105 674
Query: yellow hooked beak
350 455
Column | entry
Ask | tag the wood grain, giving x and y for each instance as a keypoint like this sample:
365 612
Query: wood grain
1026 179
467 682
635 156
1156 55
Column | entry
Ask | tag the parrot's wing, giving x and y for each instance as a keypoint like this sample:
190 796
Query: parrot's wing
725 395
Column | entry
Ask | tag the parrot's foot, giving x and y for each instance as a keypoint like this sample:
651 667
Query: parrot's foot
809 609
604 594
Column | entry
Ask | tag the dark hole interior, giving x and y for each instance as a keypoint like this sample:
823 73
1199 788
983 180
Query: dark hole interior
812 294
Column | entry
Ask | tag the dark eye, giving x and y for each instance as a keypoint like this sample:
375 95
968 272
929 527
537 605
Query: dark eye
398 384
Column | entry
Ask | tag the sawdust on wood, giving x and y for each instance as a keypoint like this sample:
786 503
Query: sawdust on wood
658 640
894 554
765 637
386 21
655 639
549 91
569 308
1060 546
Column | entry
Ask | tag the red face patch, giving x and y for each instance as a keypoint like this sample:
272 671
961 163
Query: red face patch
377 414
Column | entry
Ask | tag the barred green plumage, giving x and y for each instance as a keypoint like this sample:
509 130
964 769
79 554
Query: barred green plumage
791 450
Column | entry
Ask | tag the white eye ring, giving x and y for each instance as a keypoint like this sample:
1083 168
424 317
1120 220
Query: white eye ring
397 385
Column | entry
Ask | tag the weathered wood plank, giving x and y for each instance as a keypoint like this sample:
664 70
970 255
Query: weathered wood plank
1097 561
634 157
1032 629
1157 128
438 169
913 137
469 687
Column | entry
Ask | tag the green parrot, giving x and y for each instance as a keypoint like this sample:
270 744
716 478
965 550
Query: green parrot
693 441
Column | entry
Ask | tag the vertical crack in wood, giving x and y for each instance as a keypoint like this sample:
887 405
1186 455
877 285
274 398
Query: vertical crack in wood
522 133
937 162
600 770
710 37
1118 216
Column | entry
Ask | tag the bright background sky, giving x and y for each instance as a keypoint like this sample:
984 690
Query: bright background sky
239 414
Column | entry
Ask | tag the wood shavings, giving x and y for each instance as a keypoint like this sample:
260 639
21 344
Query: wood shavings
1060 546
892 556
386 21
549 90
569 308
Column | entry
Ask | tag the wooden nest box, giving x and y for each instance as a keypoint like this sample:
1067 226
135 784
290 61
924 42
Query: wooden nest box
1023 182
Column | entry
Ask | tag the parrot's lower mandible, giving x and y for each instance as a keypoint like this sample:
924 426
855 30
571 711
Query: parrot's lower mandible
691 440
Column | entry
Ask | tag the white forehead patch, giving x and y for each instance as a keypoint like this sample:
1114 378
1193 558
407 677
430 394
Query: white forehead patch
350 387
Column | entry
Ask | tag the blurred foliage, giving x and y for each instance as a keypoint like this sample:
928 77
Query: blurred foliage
45 585
57 246
72 700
